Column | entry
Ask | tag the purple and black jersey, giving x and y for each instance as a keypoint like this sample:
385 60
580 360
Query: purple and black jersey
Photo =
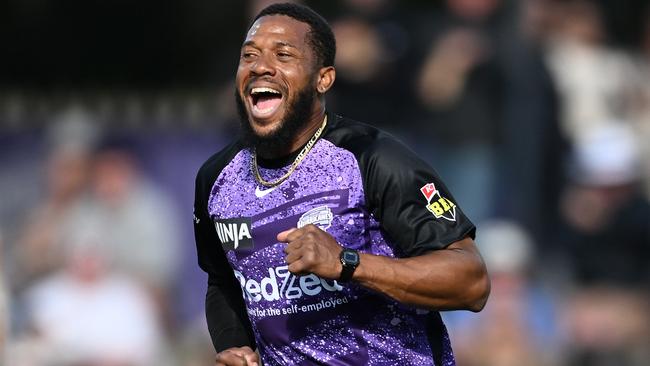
367 191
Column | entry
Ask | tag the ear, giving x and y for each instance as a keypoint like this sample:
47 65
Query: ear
326 77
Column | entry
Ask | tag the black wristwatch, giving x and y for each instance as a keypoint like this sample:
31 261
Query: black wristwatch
350 261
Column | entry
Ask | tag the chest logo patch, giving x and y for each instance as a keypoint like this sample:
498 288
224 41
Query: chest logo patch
235 233
439 206
320 216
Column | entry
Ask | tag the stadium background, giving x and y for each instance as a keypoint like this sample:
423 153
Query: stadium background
535 112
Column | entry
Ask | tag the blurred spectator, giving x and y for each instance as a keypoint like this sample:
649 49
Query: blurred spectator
135 220
459 88
608 326
38 248
371 44
604 233
518 325
606 238
531 131
132 216
605 229
592 78
486 110
87 314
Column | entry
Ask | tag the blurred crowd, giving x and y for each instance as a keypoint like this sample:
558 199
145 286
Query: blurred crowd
536 113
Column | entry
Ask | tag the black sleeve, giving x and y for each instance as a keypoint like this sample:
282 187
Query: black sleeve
226 325
409 199
226 314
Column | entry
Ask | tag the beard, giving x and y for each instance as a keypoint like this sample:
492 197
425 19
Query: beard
297 115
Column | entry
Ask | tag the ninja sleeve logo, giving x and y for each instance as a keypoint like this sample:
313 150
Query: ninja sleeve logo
439 206
235 233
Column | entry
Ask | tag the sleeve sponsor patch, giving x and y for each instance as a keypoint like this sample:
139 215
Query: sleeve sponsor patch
439 206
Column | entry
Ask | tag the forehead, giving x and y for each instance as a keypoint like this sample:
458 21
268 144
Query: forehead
278 28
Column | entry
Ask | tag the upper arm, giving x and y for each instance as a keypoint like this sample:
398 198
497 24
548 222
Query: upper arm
211 256
411 202
466 245
226 314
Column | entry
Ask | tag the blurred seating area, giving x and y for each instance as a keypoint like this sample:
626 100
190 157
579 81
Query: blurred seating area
536 113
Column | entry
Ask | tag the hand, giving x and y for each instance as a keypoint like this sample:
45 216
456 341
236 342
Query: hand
312 250
238 356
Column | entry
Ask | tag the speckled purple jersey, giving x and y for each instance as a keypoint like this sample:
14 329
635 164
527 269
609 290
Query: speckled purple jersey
307 320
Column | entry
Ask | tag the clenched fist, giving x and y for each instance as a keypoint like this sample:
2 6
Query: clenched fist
312 250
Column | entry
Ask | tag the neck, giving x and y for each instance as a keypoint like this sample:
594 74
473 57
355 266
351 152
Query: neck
301 137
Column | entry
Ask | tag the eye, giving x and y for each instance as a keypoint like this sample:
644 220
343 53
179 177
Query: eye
283 55
248 55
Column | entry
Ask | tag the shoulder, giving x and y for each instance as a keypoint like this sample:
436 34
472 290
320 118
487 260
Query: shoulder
402 191
376 151
369 144
212 167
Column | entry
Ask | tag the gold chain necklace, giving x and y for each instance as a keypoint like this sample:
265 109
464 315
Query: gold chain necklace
305 150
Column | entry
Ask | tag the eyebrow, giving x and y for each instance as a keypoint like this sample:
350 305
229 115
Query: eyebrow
285 44
277 43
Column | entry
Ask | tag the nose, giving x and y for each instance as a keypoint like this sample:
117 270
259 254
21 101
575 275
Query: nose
262 66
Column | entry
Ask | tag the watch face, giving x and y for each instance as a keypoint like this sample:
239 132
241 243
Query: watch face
351 257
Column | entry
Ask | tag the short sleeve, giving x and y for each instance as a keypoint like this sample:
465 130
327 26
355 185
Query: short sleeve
410 201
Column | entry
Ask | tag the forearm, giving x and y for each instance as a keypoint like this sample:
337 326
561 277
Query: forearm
454 278
227 320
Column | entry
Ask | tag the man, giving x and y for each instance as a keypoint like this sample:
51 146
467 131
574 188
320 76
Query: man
344 243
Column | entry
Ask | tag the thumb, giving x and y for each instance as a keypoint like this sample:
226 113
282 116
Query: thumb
252 360
283 236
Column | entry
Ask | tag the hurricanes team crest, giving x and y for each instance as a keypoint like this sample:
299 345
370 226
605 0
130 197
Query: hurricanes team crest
439 206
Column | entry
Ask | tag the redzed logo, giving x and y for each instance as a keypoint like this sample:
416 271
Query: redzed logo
282 284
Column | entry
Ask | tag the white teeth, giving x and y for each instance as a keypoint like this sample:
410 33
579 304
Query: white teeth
264 90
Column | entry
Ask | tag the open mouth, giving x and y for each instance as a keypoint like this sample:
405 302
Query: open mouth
265 101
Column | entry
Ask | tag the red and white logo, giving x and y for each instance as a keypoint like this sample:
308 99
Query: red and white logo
428 190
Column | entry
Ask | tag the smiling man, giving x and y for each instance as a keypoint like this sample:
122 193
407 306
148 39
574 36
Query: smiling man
325 240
